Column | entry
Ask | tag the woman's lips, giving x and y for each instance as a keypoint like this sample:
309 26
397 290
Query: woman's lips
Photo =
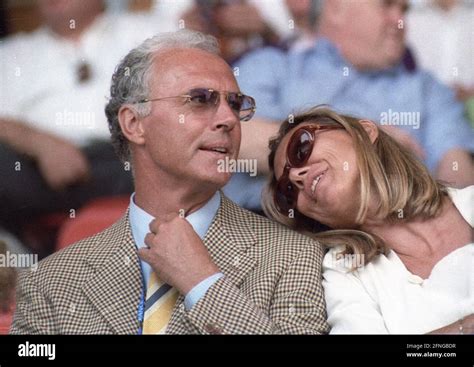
315 182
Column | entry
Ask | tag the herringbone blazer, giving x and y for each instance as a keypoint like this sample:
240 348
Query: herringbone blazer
272 283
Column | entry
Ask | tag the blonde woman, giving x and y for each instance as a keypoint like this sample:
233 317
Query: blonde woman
401 248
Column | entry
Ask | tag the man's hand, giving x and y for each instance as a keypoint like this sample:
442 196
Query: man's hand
177 254
60 162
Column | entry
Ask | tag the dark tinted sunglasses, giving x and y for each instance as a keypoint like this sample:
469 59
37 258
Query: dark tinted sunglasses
298 151
203 98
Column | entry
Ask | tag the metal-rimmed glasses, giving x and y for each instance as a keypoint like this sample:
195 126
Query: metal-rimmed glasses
204 98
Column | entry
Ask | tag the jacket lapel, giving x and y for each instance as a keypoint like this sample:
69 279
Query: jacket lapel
229 241
115 288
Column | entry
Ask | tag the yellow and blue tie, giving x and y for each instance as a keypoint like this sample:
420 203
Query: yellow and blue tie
159 304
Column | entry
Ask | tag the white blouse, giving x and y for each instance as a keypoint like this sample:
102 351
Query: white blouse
384 297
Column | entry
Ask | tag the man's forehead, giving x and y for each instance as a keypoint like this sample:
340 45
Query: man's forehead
192 66
188 58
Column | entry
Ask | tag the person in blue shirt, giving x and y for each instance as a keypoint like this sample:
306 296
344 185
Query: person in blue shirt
355 65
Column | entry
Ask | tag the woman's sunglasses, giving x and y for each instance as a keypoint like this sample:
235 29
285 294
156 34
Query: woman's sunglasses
207 99
298 152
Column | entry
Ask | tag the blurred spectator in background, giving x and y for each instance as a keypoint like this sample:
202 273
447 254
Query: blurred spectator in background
7 291
356 66
55 152
239 25
305 14
441 34
3 20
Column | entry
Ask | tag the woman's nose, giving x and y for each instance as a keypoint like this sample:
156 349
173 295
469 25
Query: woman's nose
297 176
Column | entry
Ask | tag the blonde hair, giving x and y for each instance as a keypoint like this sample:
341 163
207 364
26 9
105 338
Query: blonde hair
388 172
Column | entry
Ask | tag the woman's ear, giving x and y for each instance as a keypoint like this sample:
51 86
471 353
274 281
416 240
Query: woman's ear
371 129
131 125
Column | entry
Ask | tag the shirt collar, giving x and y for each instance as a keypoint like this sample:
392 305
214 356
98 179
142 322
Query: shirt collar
200 220
320 45
323 47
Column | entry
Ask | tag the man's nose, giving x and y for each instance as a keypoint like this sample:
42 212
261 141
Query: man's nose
298 175
225 117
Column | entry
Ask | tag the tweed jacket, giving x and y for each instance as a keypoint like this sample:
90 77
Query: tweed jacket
271 283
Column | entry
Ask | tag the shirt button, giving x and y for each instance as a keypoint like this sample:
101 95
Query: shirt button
415 279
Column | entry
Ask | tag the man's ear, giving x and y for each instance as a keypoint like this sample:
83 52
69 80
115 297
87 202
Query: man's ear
371 129
131 125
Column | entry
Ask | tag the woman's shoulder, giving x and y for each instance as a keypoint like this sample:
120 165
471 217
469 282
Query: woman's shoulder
355 265
463 199
337 259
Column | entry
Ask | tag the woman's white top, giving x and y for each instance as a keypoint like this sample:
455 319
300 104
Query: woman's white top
384 297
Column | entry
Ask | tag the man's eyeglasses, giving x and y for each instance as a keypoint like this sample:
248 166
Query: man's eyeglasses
298 151
202 98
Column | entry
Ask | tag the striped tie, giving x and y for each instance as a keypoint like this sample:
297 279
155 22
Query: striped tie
160 301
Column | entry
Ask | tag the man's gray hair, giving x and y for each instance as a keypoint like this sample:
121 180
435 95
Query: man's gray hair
131 79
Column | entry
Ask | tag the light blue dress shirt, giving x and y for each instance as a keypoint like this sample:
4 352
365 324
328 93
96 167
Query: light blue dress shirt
200 220
288 82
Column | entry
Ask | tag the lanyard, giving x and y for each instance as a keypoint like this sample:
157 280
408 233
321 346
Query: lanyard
141 307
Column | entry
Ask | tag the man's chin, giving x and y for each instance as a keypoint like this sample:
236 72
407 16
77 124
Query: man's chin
217 181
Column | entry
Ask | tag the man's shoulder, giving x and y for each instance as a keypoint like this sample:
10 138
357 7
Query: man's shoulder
274 246
268 230
73 262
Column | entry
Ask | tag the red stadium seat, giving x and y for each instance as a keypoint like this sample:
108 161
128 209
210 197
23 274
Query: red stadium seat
91 219
6 320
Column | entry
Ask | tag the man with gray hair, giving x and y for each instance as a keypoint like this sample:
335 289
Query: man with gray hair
184 258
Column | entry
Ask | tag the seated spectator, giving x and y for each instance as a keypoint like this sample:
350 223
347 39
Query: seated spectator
440 33
305 14
239 25
54 144
401 243
355 66
7 291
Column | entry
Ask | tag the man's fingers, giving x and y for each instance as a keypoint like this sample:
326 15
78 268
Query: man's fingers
149 239
153 226
145 254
